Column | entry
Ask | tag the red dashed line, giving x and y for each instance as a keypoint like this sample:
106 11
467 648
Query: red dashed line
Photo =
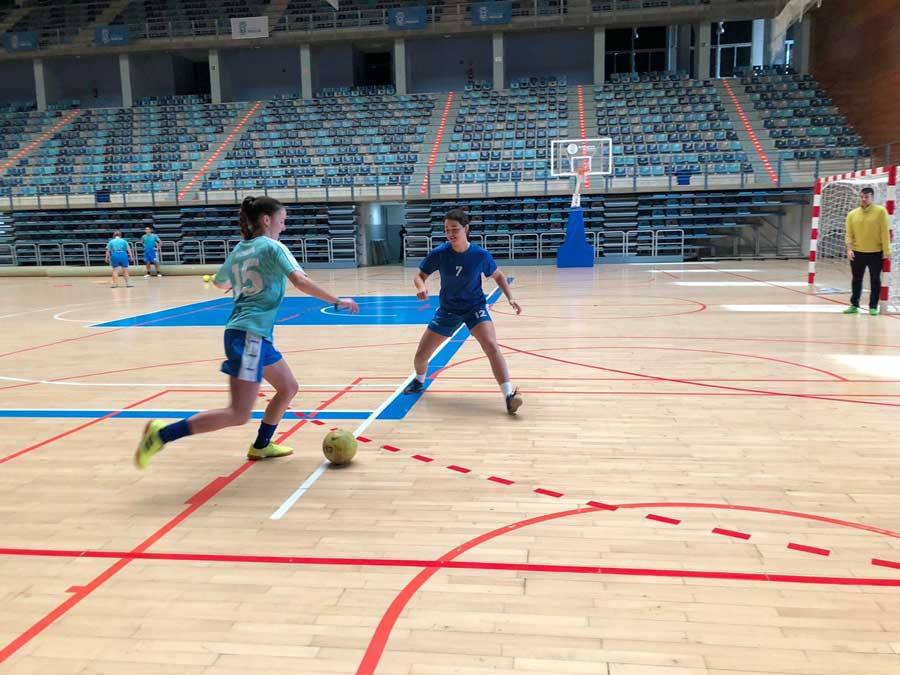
390 448
39 141
583 127
422 458
749 128
437 143
601 505
809 549
663 519
502 481
460 469
215 155
318 423
886 563
363 439
731 533
549 493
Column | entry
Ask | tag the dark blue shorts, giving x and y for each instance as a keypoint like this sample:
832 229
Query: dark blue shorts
118 259
445 323
151 256
247 355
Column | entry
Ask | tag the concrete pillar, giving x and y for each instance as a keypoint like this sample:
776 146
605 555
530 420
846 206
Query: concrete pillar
40 86
125 77
371 228
215 76
400 74
703 33
599 55
802 37
672 48
499 72
758 50
305 72
683 58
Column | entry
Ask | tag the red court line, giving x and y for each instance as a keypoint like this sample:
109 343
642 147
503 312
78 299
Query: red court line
809 549
548 493
691 382
440 564
749 129
459 469
423 458
663 519
378 642
40 140
886 563
437 142
194 503
502 481
730 533
256 106
37 446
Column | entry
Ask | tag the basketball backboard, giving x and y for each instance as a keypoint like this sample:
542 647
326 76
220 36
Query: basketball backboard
592 154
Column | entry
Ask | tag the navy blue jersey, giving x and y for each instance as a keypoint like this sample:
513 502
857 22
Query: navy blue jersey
460 275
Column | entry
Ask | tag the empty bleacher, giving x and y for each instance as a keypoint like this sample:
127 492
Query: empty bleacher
149 148
800 117
58 22
619 226
666 124
342 138
503 136
175 18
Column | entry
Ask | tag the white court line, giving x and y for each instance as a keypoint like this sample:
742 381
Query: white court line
315 475
740 284
881 366
797 309
308 483
172 385
701 271
47 309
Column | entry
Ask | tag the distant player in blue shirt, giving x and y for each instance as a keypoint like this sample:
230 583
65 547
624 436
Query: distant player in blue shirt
256 272
152 250
461 265
118 253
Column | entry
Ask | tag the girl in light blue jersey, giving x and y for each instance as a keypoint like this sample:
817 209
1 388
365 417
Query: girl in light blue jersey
118 253
256 272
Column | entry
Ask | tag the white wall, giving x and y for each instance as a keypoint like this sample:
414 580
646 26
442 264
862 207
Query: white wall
94 80
442 64
18 82
259 74
332 66
569 53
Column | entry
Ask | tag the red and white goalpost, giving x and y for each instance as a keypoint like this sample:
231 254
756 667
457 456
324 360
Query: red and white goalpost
835 197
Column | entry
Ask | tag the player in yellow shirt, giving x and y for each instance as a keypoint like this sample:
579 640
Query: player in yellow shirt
868 244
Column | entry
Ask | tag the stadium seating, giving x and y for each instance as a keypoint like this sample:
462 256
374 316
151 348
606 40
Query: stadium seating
502 136
173 18
666 124
58 22
343 138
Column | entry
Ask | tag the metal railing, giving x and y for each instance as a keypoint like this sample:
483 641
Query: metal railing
7 255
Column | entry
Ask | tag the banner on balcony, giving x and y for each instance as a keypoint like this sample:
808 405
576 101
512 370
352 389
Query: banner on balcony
250 27
110 36
408 18
26 41
491 13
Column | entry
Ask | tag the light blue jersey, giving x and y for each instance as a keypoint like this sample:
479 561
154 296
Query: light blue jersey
117 245
257 270
150 241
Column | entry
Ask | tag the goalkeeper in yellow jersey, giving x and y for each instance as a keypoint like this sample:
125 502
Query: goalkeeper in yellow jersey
868 244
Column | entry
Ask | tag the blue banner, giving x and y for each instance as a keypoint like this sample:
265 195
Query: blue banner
110 36
408 18
26 41
491 13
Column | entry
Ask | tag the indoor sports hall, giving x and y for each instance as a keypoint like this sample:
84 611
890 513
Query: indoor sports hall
692 204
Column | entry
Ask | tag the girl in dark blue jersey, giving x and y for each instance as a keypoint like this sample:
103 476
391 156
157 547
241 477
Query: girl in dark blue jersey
461 265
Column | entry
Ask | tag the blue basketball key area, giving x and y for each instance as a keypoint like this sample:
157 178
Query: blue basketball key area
296 311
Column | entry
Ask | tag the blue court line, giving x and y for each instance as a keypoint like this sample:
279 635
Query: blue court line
401 405
173 414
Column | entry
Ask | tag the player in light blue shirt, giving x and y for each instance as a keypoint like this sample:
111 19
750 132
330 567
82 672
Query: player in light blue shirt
118 253
462 264
256 272
152 250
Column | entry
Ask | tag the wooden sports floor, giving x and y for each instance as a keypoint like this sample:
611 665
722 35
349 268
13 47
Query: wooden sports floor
704 479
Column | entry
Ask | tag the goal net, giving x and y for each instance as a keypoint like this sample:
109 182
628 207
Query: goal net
835 197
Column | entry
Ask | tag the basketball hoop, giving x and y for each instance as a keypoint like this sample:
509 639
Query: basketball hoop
580 175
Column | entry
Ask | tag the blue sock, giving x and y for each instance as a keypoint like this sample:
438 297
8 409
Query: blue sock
174 431
264 437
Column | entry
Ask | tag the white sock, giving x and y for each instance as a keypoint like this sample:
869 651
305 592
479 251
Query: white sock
506 388
421 378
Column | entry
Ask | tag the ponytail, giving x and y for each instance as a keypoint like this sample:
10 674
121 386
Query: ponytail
252 211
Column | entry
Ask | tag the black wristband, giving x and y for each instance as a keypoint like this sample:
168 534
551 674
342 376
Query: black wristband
337 305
